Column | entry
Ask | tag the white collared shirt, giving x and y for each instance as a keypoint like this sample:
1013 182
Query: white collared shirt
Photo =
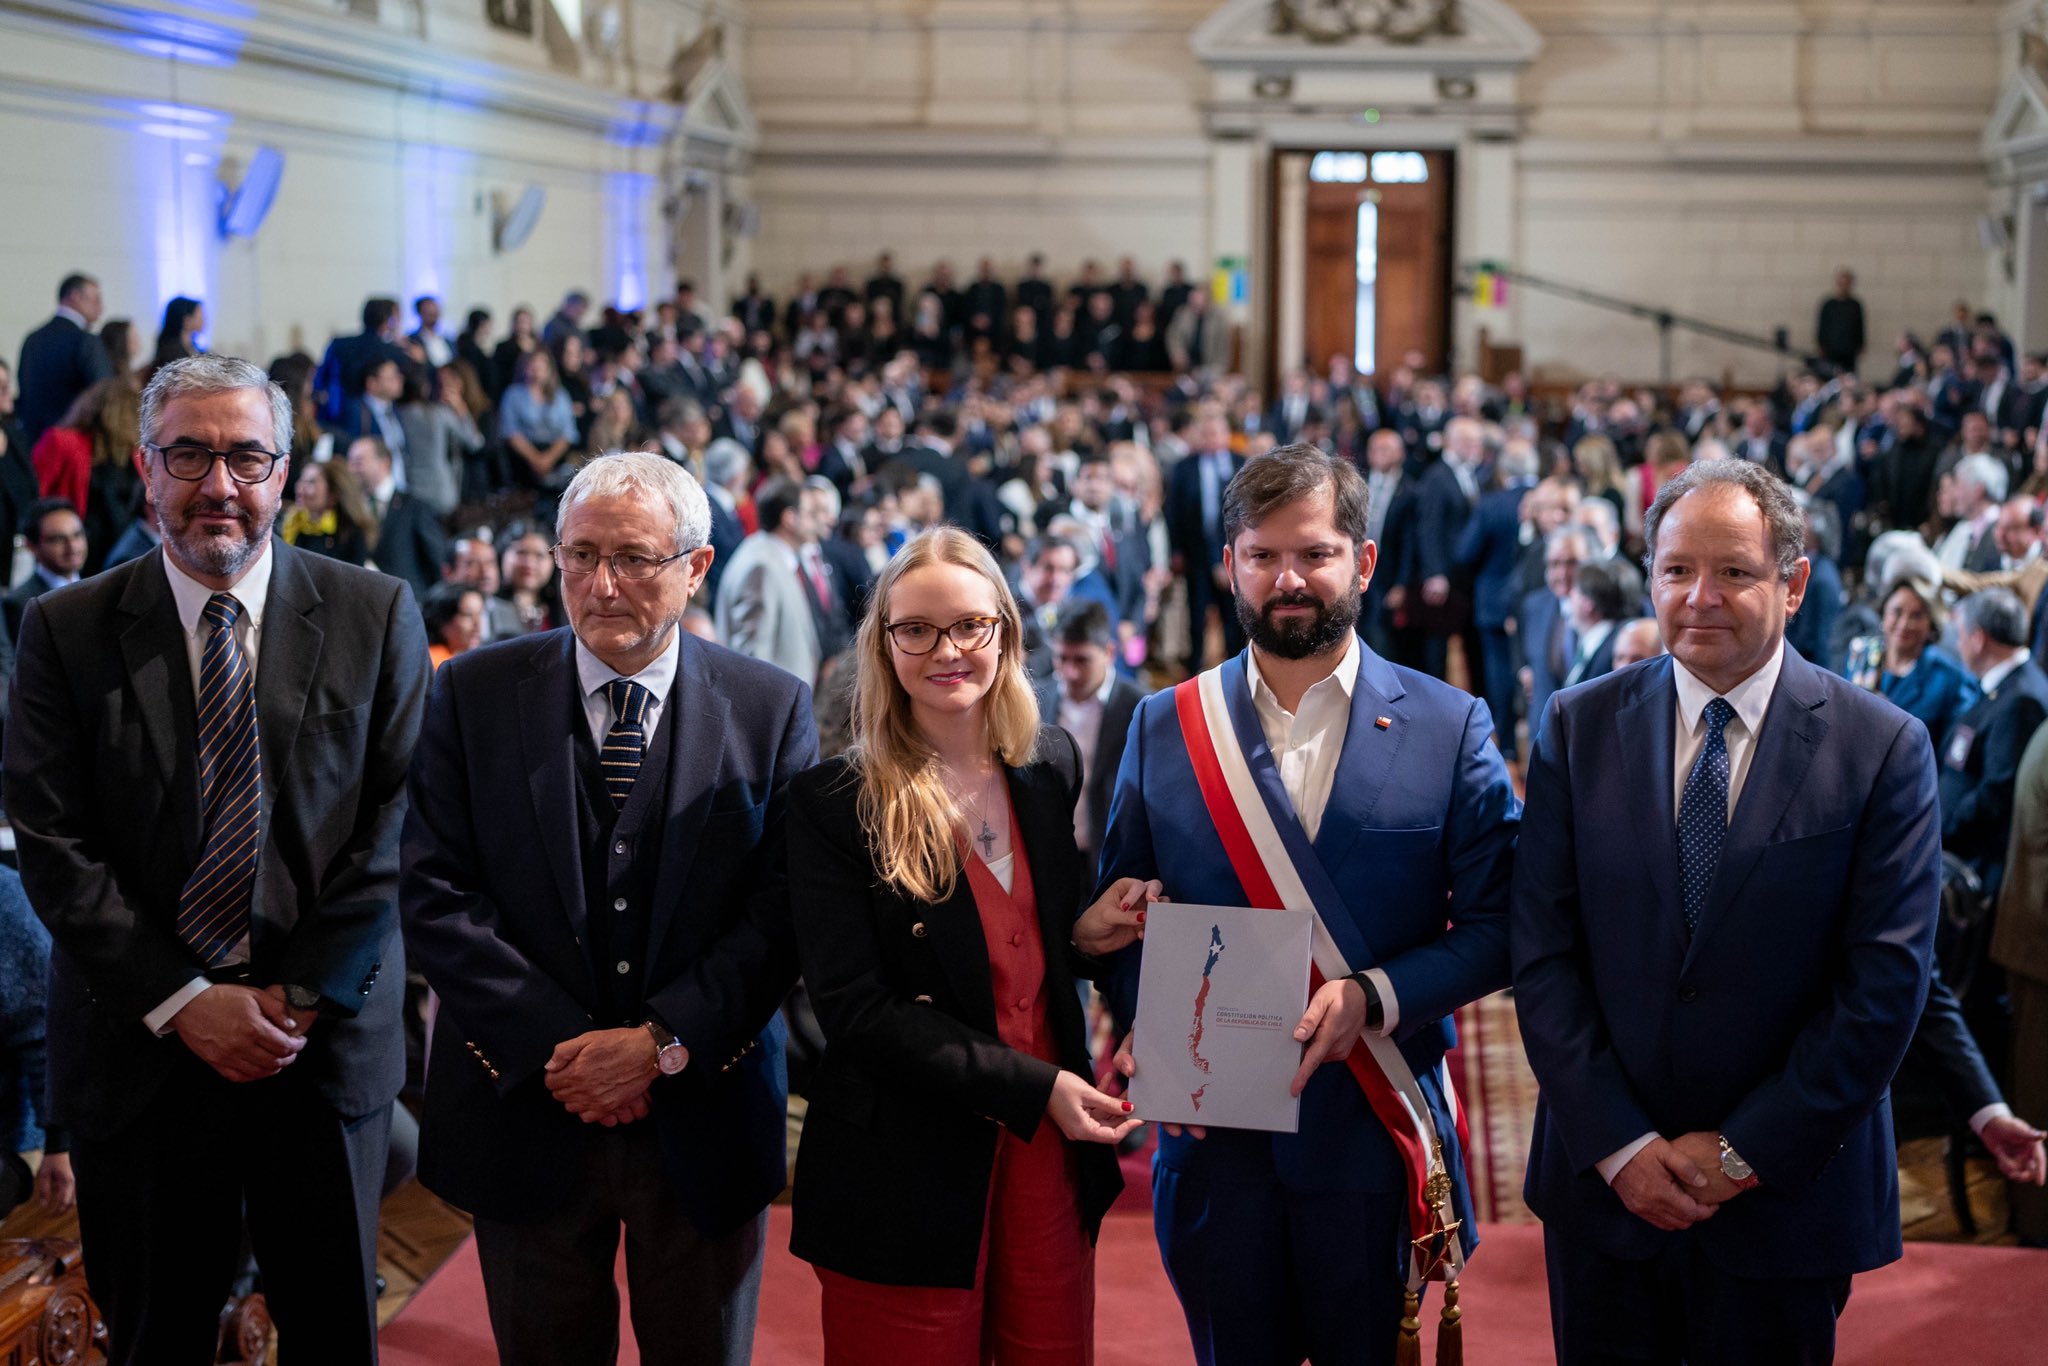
190 597
1751 699
1306 745
593 673
1083 721
1995 676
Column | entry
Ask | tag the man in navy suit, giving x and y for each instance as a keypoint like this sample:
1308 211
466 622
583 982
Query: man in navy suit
1490 548
349 359
1446 496
1724 909
1385 791
1194 528
60 360
593 886
1550 642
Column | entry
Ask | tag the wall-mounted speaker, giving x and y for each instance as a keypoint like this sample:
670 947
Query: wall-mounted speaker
245 204
512 223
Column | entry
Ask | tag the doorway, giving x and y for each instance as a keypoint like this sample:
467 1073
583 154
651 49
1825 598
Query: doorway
1371 238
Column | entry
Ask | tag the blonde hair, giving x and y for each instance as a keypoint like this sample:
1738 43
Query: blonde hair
912 821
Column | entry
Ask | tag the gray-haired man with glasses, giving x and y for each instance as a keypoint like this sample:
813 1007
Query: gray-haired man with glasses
205 771
593 884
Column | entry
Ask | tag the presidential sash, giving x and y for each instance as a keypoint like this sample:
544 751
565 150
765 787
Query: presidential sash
1271 878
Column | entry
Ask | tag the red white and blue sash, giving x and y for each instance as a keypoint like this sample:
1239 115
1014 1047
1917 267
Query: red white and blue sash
1272 876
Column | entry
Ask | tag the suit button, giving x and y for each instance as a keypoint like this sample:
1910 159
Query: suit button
1016 941
1023 1003
619 905
1689 995
619 848
624 967
918 930
924 1000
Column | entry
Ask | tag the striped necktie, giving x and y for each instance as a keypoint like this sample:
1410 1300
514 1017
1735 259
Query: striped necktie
213 910
626 742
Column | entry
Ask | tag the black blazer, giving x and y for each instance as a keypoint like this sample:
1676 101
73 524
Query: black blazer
59 361
1117 711
494 901
102 786
411 543
1980 763
899 1146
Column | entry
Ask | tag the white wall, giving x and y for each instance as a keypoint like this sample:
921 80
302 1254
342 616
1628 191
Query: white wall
1716 159
396 136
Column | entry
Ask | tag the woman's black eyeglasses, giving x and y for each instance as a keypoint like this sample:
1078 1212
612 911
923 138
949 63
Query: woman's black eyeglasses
921 637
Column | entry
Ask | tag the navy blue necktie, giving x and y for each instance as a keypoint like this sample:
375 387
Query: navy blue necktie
1703 815
213 909
626 743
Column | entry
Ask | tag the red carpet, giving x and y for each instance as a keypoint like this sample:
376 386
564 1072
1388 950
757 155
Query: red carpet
1943 1302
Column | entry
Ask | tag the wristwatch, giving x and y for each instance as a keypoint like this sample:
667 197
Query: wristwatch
669 1054
1735 1169
301 998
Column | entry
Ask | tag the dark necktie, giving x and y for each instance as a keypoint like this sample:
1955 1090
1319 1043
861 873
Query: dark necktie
626 742
1703 815
213 909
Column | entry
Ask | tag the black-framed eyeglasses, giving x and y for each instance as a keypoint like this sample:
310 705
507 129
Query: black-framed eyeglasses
626 564
192 463
921 637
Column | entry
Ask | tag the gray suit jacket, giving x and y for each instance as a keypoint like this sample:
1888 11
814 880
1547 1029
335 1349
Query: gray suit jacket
763 610
102 786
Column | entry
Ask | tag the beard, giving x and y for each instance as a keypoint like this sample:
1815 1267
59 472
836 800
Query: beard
1300 638
216 552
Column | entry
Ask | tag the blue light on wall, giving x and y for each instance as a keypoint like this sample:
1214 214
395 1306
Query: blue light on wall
435 185
628 197
175 160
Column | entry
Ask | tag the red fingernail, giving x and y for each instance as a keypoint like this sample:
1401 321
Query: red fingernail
1127 1107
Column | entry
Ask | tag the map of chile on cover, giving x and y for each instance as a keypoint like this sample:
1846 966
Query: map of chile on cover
1220 989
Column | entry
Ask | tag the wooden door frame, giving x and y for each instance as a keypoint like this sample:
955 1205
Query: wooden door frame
1269 262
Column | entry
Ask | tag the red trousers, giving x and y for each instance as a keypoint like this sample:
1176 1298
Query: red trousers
1033 1302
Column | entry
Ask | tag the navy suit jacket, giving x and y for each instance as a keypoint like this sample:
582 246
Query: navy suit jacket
1540 611
1780 1021
1418 836
493 900
1441 512
59 361
1491 545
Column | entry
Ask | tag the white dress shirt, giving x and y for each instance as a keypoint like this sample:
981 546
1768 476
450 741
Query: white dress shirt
1751 698
657 678
1083 721
191 596
1306 743
1995 676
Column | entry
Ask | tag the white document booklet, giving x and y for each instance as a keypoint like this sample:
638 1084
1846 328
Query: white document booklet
1220 990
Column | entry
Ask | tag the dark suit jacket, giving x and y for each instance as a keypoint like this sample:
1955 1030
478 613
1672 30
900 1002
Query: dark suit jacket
1101 767
15 604
727 531
1781 1020
1540 613
494 902
340 376
1980 764
411 543
59 361
899 1146
102 786
1491 547
1185 532
1441 511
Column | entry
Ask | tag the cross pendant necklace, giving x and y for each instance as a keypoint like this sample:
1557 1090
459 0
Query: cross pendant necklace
987 840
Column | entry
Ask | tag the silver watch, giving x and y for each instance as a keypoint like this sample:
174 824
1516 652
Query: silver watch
669 1054
1732 1165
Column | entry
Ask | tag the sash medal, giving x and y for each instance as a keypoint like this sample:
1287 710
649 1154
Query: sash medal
1269 877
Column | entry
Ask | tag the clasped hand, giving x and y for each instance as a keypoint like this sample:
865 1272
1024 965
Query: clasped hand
1675 1183
602 1077
242 1033
1118 919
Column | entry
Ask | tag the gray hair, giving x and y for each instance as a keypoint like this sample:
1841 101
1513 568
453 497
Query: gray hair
1786 523
724 461
1986 473
1572 531
1896 555
641 474
1518 460
1596 509
199 376
1997 612
819 484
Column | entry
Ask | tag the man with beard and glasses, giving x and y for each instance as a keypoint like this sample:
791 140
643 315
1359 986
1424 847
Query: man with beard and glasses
1375 794
205 771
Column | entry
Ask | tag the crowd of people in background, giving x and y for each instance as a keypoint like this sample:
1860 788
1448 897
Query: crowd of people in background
1084 433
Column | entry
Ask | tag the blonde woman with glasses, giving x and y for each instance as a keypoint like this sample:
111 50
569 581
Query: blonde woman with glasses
956 1161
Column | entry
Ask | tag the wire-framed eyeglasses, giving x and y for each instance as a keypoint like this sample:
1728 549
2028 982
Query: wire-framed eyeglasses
921 637
192 462
625 564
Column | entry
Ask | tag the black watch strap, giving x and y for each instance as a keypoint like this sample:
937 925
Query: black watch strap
1375 1011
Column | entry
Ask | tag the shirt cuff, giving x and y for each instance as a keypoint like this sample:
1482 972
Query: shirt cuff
1997 1109
158 1021
1390 1008
1610 1166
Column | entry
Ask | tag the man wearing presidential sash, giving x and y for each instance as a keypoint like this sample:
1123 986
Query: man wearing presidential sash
1309 773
